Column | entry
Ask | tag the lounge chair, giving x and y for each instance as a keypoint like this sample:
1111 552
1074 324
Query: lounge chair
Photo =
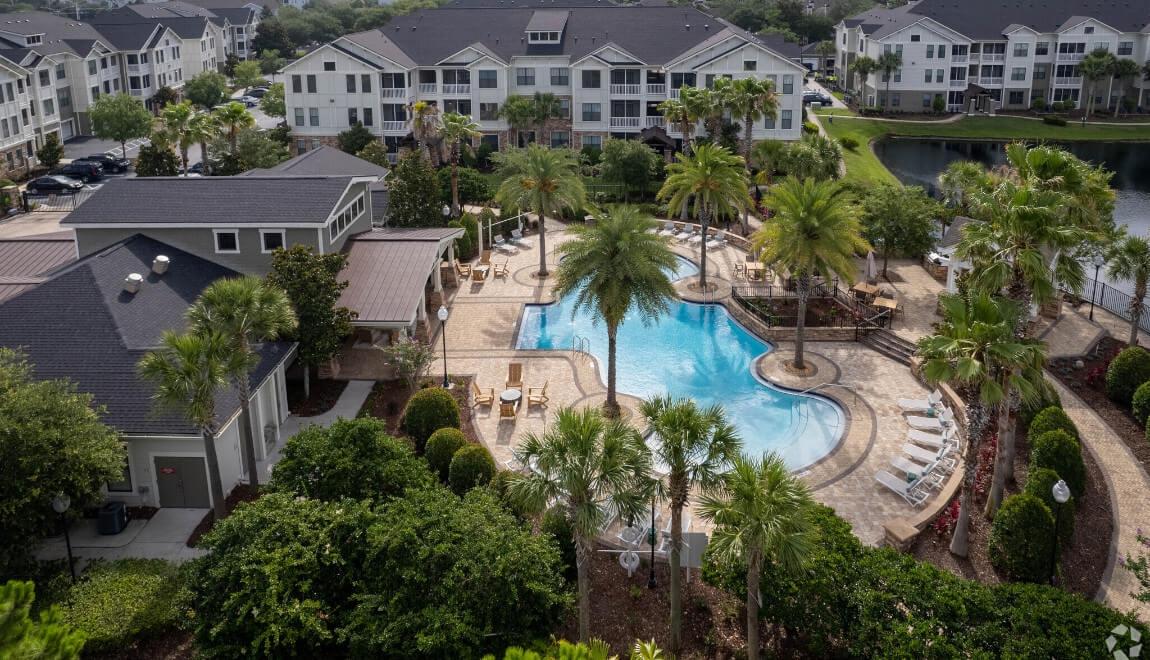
944 419
911 469
499 269
515 375
695 239
685 235
464 270
932 440
944 458
715 240
518 240
485 258
686 524
507 411
643 524
912 493
503 246
537 396
482 397
668 230
932 400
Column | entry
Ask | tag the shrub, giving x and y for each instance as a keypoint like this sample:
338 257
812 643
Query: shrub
1051 419
119 602
938 105
556 524
441 447
1126 373
1059 451
473 186
810 128
1053 121
499 484
471 466
1020 538
353 458
428 411
1140 405
1038 104
1048 399
1040 483
849 142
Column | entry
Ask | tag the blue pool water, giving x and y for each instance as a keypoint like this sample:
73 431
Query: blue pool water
698 351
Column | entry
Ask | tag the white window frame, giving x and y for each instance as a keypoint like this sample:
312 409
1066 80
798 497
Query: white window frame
354 215
131 474
263 245
216 240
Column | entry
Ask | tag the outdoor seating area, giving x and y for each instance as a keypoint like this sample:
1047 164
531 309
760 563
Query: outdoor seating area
930 453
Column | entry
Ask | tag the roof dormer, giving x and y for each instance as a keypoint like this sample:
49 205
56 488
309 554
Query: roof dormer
546 27
33 39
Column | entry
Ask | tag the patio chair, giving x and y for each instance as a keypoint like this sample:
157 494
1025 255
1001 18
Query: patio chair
508 410
943 457
478 274
741 270
932 400
515 375
503 246
485 258
944 419
908 491
668 230
686 524
911 469
482 397
685 235
537 396
464 270
499 269
518 240
932 440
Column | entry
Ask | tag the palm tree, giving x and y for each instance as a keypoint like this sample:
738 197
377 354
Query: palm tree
519 113
1125 70
596 469
960 179
815 156
175 119
825 50
1096 66
813 231
546 107
247 311
974 349
458 131
615 266
863 67
233 117
544 181
715 180
752 100
697 446
189 370
677 114
1088 201
761 515
888 63
768 157
1130 260
425 127
698 103
204 128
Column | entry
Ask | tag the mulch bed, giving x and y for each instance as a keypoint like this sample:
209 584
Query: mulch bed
388 399
324 394
239 494
171 645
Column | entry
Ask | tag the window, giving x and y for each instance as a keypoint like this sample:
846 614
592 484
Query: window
124 484
368 119
49 107
91 67
1018 73
1089 29
311 84
351 83
560 77
1101 45
64 97
560 139
299 116
593 141
785 119
938 73
488 111
20 85
915 37
788 84
392 81
393 112
45 78
329 66
524 76
929 52
769 123
682 80
227 241
365 83
488 79
297 84
60 73
352 116
1125 47
895 100
927 99
750 65
1015 97
592 112
1040 73
898 75
1042 48
346 217
1021 50
460 106
313 116
592 79
929 75
564 108
270 239
942 51
4 128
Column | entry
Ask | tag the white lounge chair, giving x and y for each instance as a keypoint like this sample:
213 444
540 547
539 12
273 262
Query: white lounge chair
518 240
695 240
668 230
932 400
715 242
932 440
942 421
686 524
945 457
503 246
685 235
908 467
911 492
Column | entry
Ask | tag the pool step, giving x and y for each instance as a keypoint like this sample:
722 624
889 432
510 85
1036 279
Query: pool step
890 345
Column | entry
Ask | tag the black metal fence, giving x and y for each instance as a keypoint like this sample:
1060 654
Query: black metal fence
1112 300
52 202
845 309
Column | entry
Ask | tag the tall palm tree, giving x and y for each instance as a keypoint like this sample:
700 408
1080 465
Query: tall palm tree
714 107
1125 70
825 50
204 128
546 107
768 157
458 131
247 311
677 114
544 181
519 113
888 63
233 117
597 469
1088 201
175 119
960 179
188 371
715 180
698 102
751 99
613 267
1097 65
1130 260
425 127
975 350
697 446
761 514
863 67
813 232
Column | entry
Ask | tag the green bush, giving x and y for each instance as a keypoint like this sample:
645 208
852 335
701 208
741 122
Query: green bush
119 602
471 466
556 524
1048 398
441 447
1126 373
810 128
1038 104
499 486
1040 483
849 142
1140 404
473 186
427 411
1053 121
1020 539
1059 451
938 105
1051 419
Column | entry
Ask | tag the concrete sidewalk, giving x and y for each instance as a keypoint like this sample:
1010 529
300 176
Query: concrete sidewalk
164 536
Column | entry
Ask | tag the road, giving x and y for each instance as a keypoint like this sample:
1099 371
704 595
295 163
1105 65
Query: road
835 102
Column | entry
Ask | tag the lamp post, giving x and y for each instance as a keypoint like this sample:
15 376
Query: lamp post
60 504
446 211
442 314
1061 494
1099 262
651 537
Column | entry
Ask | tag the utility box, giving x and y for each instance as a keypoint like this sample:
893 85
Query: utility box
113 518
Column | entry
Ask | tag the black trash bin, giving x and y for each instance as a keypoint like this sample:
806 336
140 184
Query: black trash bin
113 518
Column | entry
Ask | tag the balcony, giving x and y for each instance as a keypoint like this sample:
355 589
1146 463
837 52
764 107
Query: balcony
1076 81
455 90
393 92
133 68
958 59
625 122
994 57
657 89
428 88
136 92
989 81
958 83
625 90
675 93
1071 57
393 126
652 122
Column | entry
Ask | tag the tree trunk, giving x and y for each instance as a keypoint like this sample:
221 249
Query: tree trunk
246 440
123 149
455 184
204 158
998 482
748 120
802 284
753 570
214 473
233 137
886 101
542 243
976 422
704 222
885 259
307 381
676 570
184 159
611 407
1121 97
1136 307
582 569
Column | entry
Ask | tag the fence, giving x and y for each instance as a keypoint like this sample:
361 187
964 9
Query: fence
1110 299
51 202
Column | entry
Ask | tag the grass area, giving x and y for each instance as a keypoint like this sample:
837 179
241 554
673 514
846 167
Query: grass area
863 167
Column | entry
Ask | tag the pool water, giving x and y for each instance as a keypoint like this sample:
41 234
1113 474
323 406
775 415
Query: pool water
698 351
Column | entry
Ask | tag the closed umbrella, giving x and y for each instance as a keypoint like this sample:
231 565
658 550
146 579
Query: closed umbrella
871 268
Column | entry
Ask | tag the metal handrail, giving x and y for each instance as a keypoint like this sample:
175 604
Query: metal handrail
842 385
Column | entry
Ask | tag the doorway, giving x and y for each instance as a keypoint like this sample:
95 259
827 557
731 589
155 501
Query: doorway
182 482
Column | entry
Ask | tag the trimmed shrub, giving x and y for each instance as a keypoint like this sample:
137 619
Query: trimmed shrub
427 411
1059 451
1126 373
1140 404
441 447
1053 121
810 128
1020 539
1048 399
1040 483
849 142
556 524
1051 419
470 467
123 601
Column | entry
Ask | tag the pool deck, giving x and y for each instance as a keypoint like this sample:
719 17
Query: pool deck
481 342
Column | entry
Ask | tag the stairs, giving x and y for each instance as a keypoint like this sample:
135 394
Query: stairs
890 345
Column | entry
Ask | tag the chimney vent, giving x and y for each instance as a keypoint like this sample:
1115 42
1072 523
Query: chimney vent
160 264
132 282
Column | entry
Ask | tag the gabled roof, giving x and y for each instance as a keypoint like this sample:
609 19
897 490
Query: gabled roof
323 161
25 261
80 324
137 36
187 24
60 34
270 5
990 19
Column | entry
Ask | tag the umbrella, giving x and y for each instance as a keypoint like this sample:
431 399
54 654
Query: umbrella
871 268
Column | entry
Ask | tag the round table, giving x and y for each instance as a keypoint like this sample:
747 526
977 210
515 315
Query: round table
510 396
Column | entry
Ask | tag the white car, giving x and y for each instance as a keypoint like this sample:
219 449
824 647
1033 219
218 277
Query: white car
249 101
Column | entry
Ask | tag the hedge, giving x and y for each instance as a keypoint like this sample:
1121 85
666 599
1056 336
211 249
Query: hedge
1051 419
1140 405
556 523
1048 398
441 447
119 602
1059 451
1126 373
1021 537
471 466
1040 483
427 411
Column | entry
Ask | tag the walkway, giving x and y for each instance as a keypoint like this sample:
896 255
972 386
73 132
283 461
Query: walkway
163 536
346 407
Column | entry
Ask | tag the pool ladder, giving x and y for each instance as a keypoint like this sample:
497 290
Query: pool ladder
580 346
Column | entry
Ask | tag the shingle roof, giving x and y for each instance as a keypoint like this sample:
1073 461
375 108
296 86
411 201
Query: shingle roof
61 34
81 325
128 36
224 200
327 161
387 272
988 19
270 5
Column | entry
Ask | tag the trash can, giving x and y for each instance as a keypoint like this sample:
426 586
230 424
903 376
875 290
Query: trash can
113 518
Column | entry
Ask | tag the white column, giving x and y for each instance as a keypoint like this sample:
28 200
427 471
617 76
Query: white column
438 276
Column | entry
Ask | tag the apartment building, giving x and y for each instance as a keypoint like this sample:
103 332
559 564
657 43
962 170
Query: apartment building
609 66
986 54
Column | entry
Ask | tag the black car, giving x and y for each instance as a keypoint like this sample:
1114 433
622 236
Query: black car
83 170
815 96
258 92
108 162
54 184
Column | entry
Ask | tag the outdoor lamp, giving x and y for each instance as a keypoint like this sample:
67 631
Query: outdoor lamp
446 211
60 504
1099 262
442 314
1061 493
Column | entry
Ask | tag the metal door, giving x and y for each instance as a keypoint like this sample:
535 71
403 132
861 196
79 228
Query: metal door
182 482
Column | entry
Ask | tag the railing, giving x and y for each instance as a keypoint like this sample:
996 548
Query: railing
675 92
958 59
1112 300
393 92
657 89
983 80
136 92
661 122
457 89
958 83
632 90
133 68
580 345
845 310
993 57
393 126
1068 81
428 88
625 122
1071 57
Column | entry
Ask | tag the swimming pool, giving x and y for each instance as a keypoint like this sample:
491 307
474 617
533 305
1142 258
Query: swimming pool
698 351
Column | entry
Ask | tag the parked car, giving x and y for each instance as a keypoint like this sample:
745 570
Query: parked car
257 92
83 170
249 101
815 96
54 184
108 162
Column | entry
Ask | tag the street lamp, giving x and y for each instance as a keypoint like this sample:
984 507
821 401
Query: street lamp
651 537
442 314
1061 494
60 504
446 211
1099 262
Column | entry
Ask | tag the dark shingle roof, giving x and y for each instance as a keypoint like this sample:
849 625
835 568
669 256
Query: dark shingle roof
280 200
988 19
327 161
81 325
128 36
61 34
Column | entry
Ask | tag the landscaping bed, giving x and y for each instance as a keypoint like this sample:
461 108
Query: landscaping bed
389 397
324 394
